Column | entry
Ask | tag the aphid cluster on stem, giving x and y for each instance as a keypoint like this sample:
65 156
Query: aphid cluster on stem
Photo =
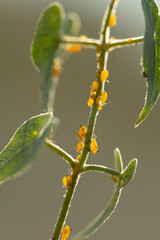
99 100
81 136
67 182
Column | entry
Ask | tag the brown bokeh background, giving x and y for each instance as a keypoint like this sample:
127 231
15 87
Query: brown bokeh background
29 205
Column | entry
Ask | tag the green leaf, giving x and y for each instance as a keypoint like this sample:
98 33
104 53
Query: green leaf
118 163
18 155
71 27
45 48
102 217
151 59
45 44
128 173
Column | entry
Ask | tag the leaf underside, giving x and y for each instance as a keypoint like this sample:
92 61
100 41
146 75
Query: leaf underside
151 57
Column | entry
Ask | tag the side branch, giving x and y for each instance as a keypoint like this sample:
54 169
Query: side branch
118 43
60 152
105 22
99 168
88 42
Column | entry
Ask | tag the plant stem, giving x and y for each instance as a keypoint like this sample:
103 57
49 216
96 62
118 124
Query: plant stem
105 29
60 152
93 167
65 209
88 42
118 43
103 55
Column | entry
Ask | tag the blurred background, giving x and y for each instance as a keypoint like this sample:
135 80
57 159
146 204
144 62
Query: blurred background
29 205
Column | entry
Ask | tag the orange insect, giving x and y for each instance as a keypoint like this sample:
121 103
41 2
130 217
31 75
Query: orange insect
66 232
94 146
104 75
82 133
80 146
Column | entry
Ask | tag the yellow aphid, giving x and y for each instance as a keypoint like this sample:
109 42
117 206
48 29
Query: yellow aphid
104 75
94 146
82 133
83 36
103 97
64 180
80 146
90 102
79 157
95 86
56 67
112 21
129 40
48 140
93 93
74 48
114 179
69 180
112 38
100 106
98 100
66 232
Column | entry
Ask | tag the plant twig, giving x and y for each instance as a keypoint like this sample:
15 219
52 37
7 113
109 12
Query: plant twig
105 28
65 209
99 168
88 42
92 118
60 152
118 43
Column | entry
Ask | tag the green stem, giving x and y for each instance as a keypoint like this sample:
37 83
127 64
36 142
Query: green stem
105 29
92 118
93 167
60 152
88 42
101 65
118 43
65 209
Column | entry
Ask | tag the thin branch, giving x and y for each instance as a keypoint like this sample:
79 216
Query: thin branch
118 43
88 42
60 152
99 168
105 29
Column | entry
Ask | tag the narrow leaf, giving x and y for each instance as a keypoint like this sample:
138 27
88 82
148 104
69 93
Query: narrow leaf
151 59
17 156
127 175
102 217
129 172
118 163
